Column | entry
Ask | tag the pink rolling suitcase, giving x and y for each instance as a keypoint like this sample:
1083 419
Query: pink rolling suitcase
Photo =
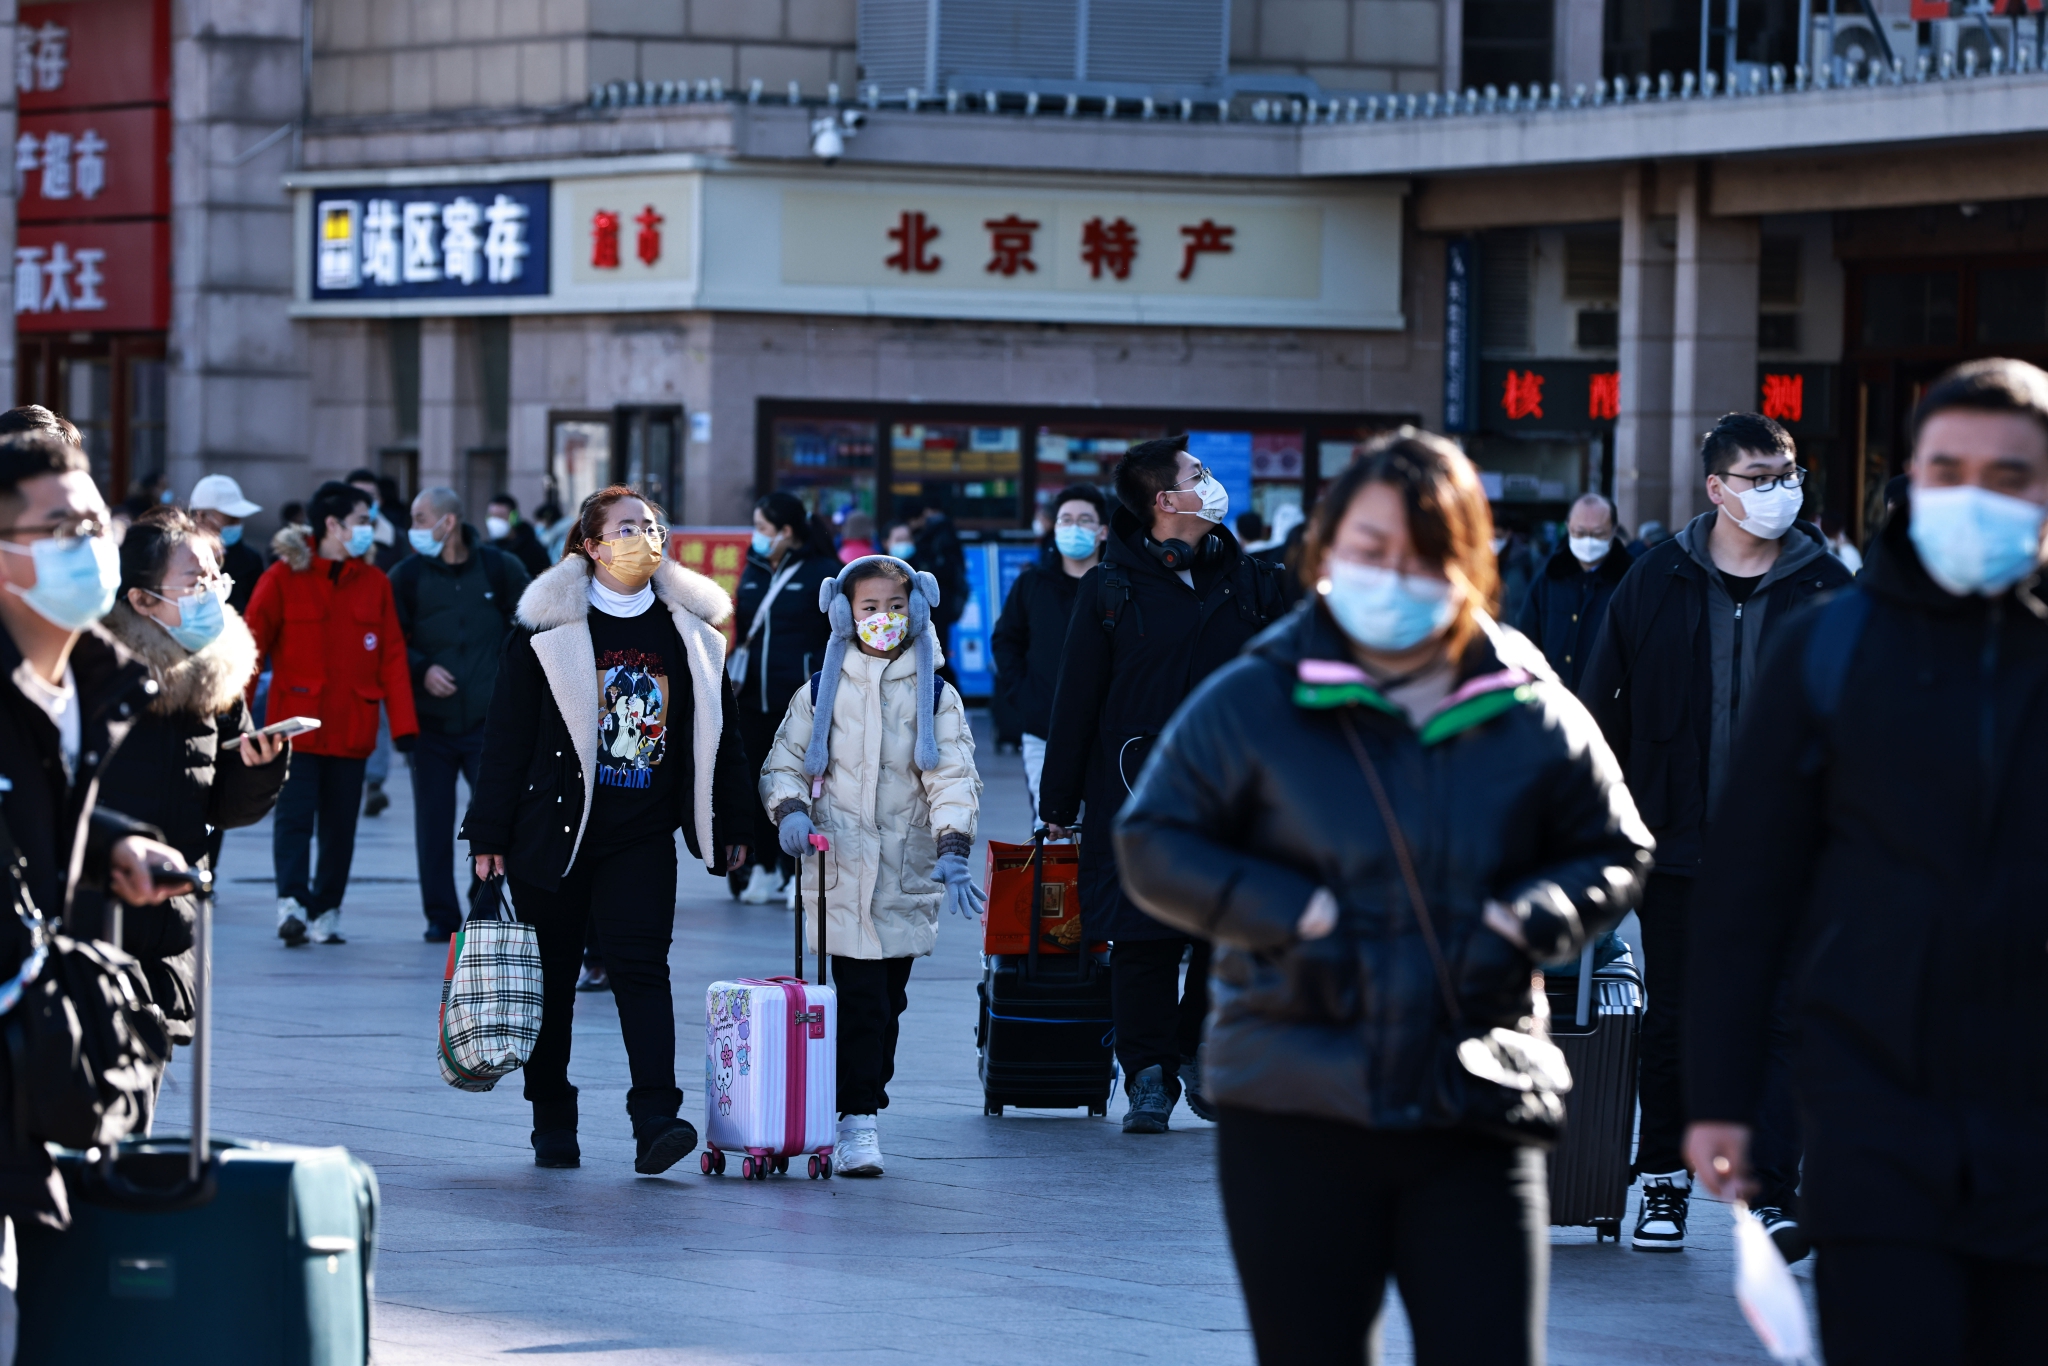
771 1075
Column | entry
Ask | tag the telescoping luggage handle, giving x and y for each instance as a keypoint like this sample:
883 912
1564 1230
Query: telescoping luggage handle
1083 960
820 843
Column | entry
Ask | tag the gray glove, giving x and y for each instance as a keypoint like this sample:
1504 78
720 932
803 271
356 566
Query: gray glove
794 834
963 897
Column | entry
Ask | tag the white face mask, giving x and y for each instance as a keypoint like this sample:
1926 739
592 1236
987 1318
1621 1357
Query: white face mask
1215 499
497 528
1590 550
1769 514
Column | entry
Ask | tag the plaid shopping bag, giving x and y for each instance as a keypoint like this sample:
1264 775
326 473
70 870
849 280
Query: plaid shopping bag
490 998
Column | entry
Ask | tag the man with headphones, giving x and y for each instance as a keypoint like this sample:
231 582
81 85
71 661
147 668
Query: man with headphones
1174 598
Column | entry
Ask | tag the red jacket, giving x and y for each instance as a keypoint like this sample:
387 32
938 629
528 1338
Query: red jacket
328 631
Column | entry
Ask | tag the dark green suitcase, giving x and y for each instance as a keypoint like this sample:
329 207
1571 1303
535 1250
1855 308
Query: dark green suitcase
262 1257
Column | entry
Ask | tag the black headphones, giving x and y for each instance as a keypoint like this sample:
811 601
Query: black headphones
1179 556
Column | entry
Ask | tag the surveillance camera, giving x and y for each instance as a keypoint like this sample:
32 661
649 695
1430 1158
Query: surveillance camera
826 143
830 131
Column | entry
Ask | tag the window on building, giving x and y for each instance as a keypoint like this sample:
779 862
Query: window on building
2012 306
1507 42
1909 310
579 456
974 474
1778 271
1777 332
1599 329
494 376
828 462
1592 265
1504 261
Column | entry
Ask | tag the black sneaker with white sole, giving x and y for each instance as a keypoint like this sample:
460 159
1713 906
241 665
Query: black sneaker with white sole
1785 1232
1660 1219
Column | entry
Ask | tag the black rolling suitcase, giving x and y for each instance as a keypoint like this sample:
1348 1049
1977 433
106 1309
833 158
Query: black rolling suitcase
1596 1018
1045 1032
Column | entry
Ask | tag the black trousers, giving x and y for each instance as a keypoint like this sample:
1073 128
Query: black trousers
1913 1304
1461 1223
872 996
629 895
1156 1022
323 794
1774 1144
757 733
437 760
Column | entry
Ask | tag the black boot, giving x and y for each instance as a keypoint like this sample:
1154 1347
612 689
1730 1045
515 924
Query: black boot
554 1133
660 1143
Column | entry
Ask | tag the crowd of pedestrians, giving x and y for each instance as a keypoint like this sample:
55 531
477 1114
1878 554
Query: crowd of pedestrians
1335 816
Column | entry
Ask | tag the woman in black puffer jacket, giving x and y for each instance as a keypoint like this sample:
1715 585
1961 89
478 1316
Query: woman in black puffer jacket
1255 823
189 763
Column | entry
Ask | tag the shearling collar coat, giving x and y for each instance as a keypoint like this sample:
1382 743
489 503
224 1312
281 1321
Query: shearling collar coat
540 740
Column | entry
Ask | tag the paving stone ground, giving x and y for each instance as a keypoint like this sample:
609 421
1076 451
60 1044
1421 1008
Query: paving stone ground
1037 1237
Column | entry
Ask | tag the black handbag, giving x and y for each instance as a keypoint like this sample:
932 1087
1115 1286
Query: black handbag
1504 1083
85 1045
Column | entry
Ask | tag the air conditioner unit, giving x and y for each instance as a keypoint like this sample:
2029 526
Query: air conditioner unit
1959 39
1852 41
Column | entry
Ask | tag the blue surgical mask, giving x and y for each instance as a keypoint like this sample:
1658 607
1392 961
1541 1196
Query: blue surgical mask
1972 540
1074 542
200 619
902 550
360 539
424 542
1385 610
763 543
76 577
231 535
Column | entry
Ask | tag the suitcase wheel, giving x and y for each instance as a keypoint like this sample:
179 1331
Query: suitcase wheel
1098 1111
1603 1229
781 1166
816 1167
706 1163
991 1108
748 1166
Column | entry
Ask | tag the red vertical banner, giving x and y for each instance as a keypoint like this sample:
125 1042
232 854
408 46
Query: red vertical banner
718 553
104 163
85 54
93 277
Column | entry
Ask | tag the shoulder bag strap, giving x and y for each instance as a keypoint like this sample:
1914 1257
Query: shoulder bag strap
1407 862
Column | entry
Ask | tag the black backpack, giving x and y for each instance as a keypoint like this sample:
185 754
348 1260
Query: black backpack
1269 594
405 583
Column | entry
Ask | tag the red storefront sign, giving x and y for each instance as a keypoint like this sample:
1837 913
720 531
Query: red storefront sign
99 277
87 53
110 163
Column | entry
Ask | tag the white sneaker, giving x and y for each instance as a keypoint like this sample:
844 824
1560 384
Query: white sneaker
326 928
1660 1218
291 921
858 1151
760 886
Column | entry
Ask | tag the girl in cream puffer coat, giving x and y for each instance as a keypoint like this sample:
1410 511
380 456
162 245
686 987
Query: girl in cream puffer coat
890 782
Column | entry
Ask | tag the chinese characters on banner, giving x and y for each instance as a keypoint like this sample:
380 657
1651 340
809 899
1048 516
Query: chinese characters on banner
1548 396
604 238
720 556
1603 395
1784 397
92 79
437 241
1110 246
1521 395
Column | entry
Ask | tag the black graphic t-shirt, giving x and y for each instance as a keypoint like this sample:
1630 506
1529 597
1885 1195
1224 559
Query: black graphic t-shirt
643 686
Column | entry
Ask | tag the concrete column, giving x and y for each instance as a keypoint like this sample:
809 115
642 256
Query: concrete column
1642 431
439 381
1576 40
1454 45
1713 338
526 435
239 393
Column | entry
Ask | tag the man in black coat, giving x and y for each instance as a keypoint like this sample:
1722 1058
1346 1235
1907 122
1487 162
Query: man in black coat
1567 604
1671 676
1888 859
1031 634
455 597
514 535
1174 599
69 695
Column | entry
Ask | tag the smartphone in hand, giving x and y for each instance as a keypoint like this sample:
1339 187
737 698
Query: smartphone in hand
290 726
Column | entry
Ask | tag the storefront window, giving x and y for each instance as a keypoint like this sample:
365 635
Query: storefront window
146 415
1526 472
2012 306
1278 465
87 386
974 474
827 462
1085 453
1910 310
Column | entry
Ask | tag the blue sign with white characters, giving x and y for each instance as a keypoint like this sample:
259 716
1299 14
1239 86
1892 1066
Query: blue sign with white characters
431 241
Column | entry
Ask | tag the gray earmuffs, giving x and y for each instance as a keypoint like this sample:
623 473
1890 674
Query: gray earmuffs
838 610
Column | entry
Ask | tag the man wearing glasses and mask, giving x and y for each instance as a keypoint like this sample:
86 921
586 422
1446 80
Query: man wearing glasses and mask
68 697
1174 599
1673 670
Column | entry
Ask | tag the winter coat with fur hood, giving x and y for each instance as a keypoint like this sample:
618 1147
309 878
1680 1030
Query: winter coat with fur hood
895 775
330 632
179 771
532 801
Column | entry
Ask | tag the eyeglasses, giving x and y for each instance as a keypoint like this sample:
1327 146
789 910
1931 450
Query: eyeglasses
1201 473
1764 483
1090 522
653 531
76 528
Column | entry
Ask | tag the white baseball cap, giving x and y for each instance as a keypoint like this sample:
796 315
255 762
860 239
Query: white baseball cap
220 493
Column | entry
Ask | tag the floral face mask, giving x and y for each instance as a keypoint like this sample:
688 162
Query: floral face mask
883 630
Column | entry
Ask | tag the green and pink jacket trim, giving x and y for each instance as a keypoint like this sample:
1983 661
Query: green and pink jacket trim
1326 684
